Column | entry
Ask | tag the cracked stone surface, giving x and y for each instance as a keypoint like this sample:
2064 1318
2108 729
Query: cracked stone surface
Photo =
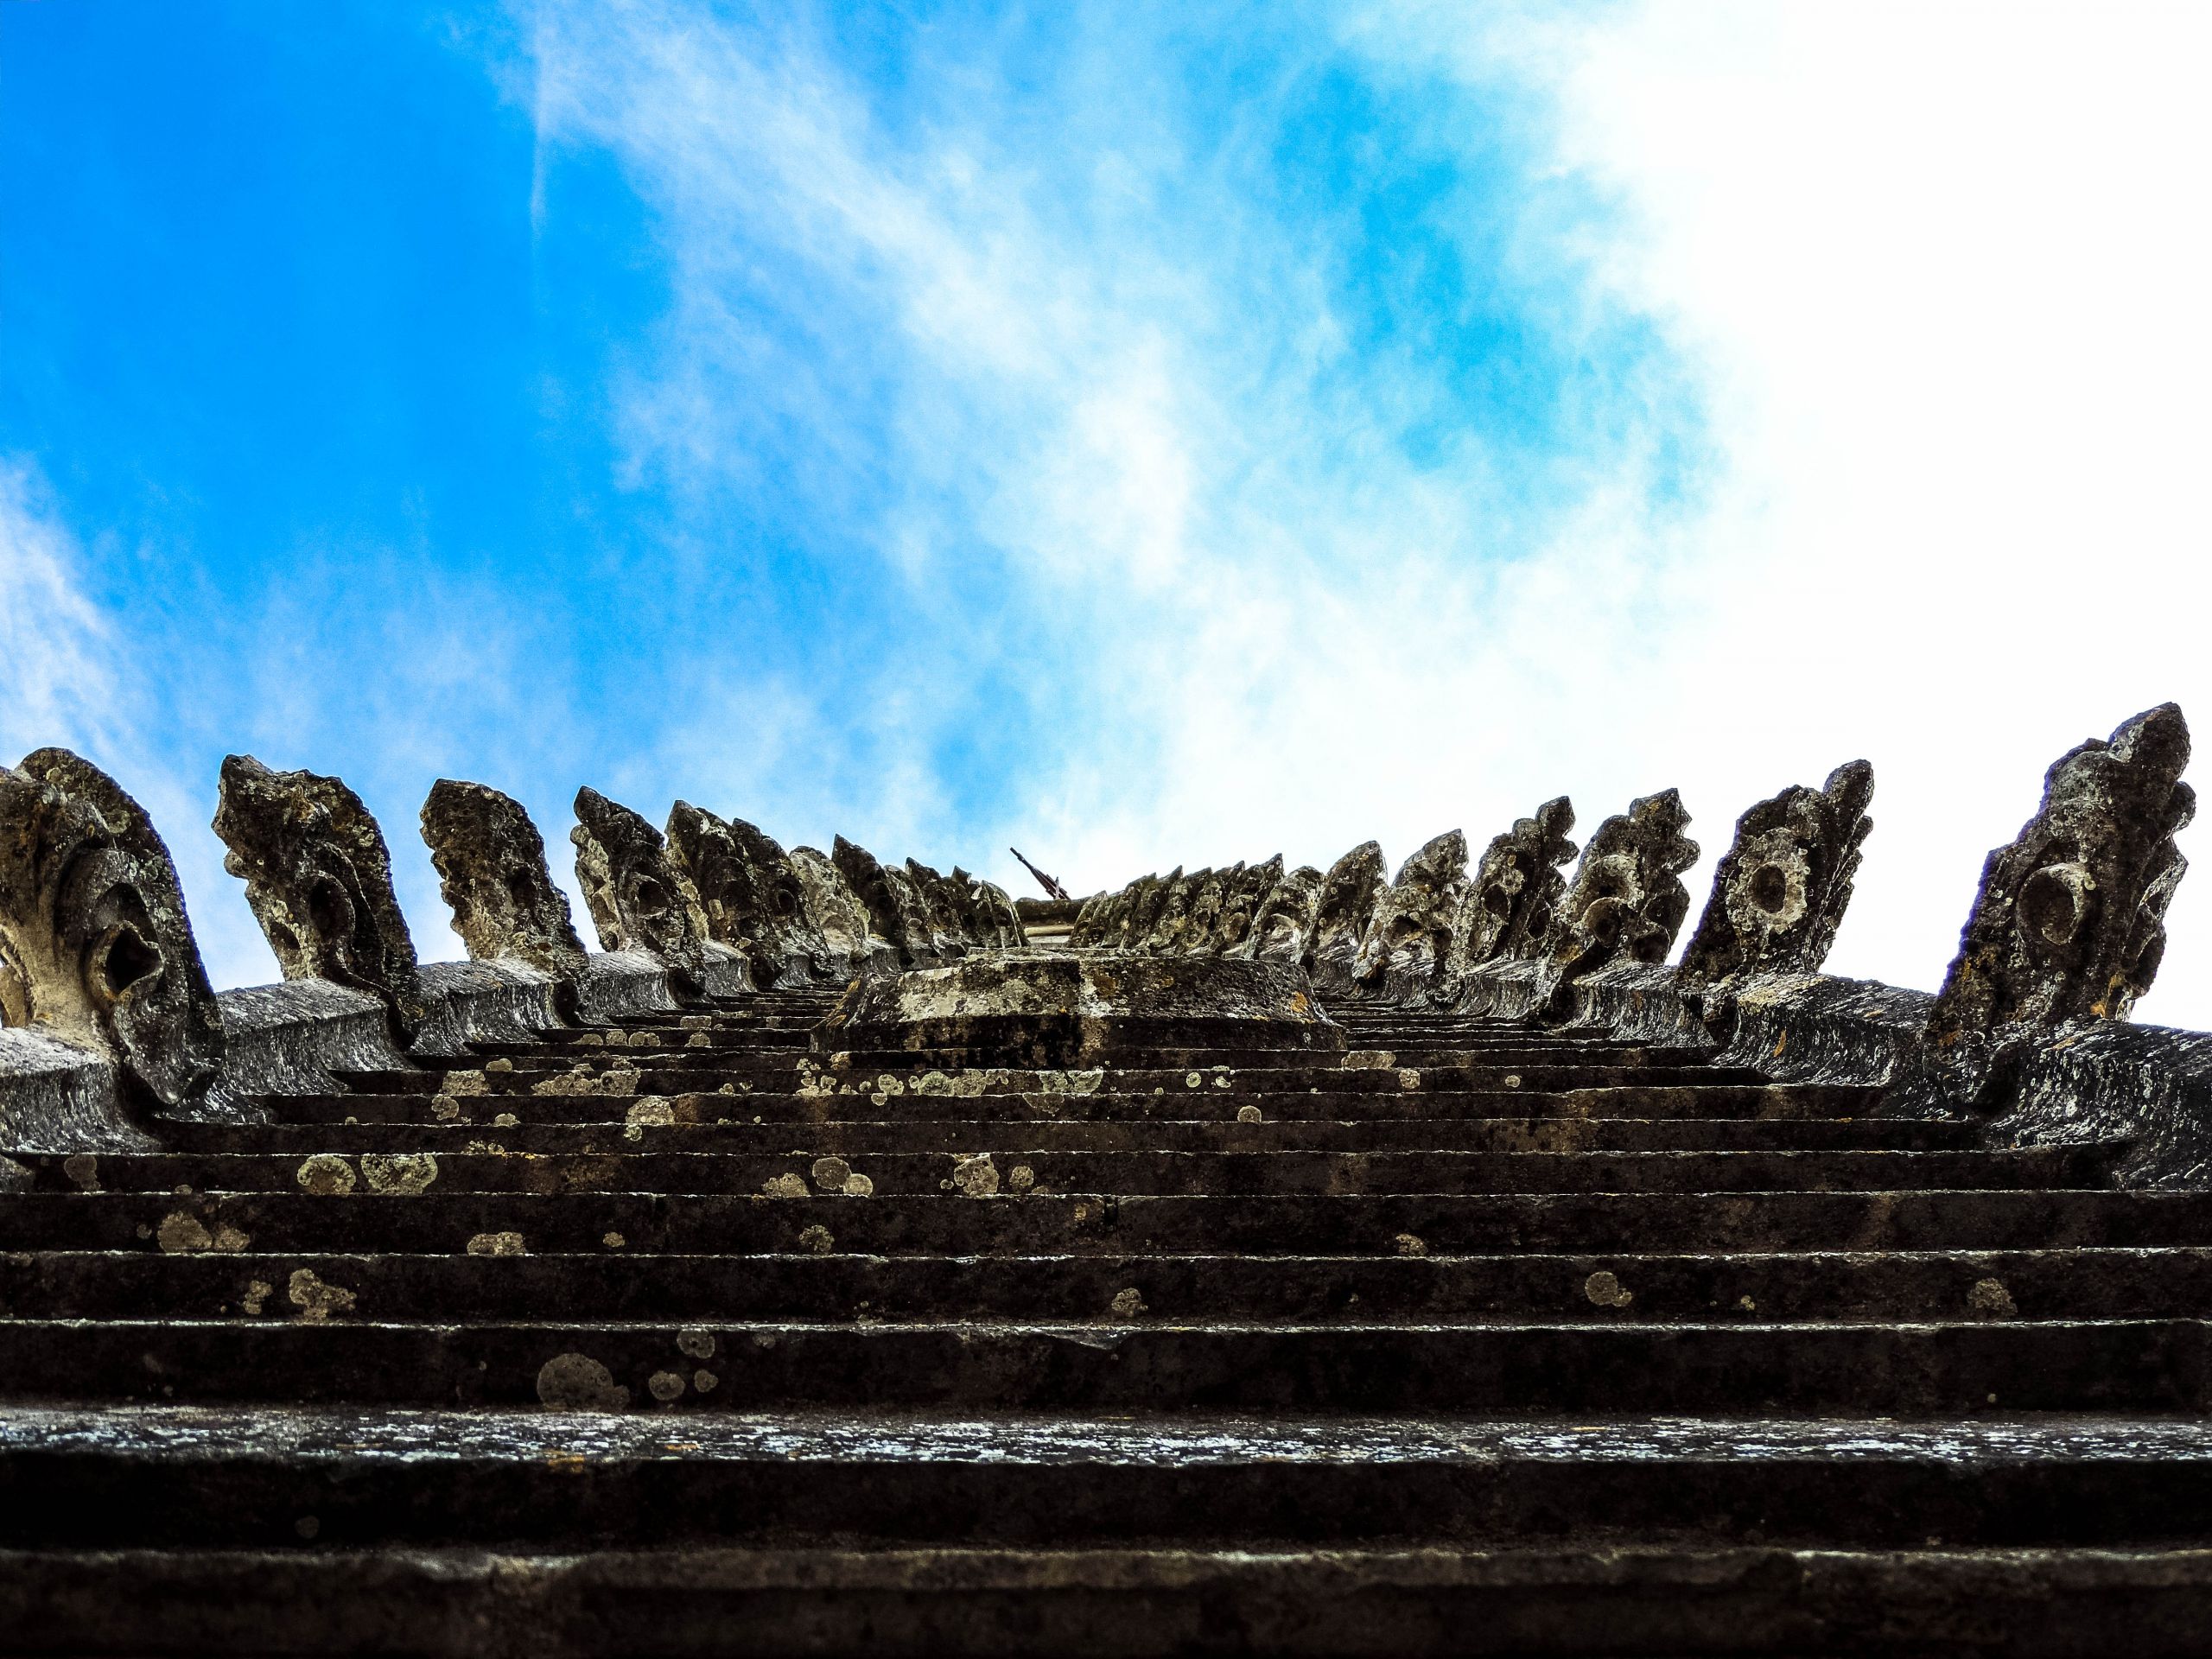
638 898
1513 896
1350 893
2069 920
318 879
96 948
1781 889
1627 901
1410 936
492 871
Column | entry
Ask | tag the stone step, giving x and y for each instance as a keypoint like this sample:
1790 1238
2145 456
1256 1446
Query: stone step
1112 1174
2147 1366
1897 1287
969 1136
1622 1597
1058 1224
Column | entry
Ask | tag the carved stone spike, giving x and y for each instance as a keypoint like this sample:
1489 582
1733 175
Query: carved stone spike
1781 890
318 877
2069 922
1201 926
945 904
1627 901
1148 898
638 899
837 914
1089 924
998 921
1245 896
1350 893
895 910
1282 927
95 946
1514 894
1410 936
1164 936
751 897
490 865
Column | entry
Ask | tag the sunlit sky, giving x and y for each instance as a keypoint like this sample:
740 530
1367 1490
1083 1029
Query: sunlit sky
1141 433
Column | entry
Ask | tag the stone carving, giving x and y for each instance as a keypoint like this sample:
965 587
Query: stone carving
2069 922
998 923
1781 889
1507 914
1350 893
1090 926
1627 901
1204 919
490 865
318 878
1242 901
1410 936
1164 936
638 898
1282 927
942 904
895 909
752 898
95 946
1148 896
837 914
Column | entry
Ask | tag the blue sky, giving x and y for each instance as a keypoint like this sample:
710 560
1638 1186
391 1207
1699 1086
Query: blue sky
1148 434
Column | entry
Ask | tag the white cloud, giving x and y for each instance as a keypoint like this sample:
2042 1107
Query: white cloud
1938 271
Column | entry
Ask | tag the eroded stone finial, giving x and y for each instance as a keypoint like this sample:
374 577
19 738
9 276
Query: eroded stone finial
318 877
1164 936
1282 927
95 946
1627 901
1410 936
895 909
751 897
1781 889
1350 893
490 865
839 916
1513 896
1089 924
638 899
2069 922
1148 898
998 924
1242 902
1208 901
945 904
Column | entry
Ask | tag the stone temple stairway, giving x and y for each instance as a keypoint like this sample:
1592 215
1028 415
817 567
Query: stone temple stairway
676 1336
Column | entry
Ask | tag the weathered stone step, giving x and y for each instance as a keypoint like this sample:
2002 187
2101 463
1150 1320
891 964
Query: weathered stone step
202 1476
2134 1366
1624 1597
1761 1100
1109 1173
1055 1224
969 1136
1899 1287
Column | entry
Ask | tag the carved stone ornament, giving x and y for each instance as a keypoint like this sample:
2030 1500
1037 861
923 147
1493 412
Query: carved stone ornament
1146 904
1350 893
638 898
1781 890
895 910
752 898
2069 922
1282 927
1242 901
998 923
318 878
1171 919
946 906
1204 917
1411 933
95 946
1627 901
1513 895
490 865
837 913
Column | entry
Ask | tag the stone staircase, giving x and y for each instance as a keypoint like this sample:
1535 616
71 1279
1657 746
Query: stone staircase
678 1337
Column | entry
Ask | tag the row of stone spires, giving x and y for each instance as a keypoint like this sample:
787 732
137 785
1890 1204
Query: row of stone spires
2069 921
97 949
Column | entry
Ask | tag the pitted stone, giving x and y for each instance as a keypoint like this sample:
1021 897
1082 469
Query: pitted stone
1282 925
96 948
1350 893
1781 889
1411 934
491 870
1627 901
318 878
1242 902
638 898
752 898
1051 1009
2069 921
1512 898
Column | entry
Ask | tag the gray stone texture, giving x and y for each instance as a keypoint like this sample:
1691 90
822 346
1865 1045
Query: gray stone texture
1627 901
895 909
1410 936
2069 922
492 871
96 949
1512 897
1242 902
753 899
1350 893
1781 889
638 898
837 914
1282 925
318 878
